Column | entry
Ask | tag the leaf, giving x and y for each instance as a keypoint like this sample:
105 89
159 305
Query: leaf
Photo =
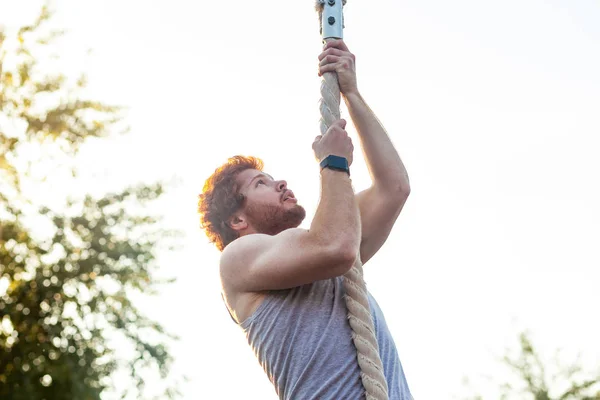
69 291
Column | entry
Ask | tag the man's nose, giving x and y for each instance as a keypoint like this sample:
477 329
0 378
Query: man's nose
281 185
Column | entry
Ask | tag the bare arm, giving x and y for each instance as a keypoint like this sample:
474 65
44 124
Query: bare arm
337 217
381 204
383 161
296 256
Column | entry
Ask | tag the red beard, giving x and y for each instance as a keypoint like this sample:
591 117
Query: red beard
271 220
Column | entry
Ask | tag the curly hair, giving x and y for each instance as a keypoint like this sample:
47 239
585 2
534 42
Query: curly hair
220 199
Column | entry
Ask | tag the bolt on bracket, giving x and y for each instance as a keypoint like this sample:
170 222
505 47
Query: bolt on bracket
332 19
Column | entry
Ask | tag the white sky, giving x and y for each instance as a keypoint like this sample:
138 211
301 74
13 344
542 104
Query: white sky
493 106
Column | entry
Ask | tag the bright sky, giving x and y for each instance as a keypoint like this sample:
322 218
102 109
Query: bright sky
493 106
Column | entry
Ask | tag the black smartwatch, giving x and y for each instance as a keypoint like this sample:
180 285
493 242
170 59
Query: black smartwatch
336 163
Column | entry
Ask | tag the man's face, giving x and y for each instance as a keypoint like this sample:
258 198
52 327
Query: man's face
270 206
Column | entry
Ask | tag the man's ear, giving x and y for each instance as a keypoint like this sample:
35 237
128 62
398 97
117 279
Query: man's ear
238 222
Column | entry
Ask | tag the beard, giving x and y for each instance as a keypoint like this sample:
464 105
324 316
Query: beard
271 220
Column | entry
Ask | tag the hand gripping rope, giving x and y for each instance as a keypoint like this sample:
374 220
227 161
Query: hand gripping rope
359 315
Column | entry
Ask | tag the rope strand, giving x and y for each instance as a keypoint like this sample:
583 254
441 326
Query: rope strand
357 302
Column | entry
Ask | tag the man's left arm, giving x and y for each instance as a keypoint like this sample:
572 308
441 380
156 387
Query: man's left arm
380 204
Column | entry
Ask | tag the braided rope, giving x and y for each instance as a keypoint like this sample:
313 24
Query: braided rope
363 335
357 302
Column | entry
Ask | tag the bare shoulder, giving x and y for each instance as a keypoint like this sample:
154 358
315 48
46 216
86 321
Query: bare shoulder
239 255
237 260
294 257
233 255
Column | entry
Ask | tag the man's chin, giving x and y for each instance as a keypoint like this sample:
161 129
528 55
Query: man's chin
277 220
300 214
293 218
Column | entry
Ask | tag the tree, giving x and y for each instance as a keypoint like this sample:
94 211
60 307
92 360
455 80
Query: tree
535 381
65 290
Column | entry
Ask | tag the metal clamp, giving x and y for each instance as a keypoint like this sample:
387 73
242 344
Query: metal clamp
332 19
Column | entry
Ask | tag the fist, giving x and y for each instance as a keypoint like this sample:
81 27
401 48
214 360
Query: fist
334 142
337 58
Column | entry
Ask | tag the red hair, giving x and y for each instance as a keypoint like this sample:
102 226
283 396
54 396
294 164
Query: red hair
220 199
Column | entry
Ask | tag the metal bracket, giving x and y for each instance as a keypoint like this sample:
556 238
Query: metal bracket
332 20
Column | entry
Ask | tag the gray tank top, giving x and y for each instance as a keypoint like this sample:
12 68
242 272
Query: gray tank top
302 339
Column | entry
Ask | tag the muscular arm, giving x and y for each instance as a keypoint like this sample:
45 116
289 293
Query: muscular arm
337 219
296 256
384 163
380 204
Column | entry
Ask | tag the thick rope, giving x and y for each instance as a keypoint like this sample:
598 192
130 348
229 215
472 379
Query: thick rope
357 302
363 335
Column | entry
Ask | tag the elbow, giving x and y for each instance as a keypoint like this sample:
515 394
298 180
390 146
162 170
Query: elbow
346 256
403 187
339 253
397 189
401 190
339 256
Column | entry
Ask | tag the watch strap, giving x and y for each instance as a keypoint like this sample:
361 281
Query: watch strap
335 163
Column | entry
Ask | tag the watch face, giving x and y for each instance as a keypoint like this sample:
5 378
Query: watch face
336 163
339 162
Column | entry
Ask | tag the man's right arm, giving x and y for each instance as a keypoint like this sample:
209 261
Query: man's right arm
296 256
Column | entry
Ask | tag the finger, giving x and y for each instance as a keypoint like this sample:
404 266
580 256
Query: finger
329 59
335 52
339 124
338 44
327 68
343 45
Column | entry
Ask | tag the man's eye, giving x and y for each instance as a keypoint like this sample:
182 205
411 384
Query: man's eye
259 182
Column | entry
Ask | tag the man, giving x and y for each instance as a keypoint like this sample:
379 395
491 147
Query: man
283 284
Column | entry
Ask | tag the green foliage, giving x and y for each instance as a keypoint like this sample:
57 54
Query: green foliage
65 297
533 381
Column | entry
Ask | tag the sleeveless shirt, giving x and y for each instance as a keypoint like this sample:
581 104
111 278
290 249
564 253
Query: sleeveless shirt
302 339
